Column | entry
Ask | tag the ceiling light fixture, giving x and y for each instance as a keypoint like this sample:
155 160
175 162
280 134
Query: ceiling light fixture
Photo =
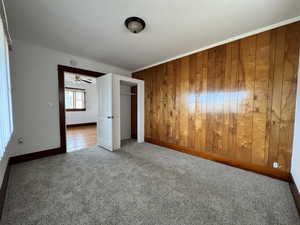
135 24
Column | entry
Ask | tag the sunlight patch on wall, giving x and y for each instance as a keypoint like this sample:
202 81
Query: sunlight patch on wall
217 102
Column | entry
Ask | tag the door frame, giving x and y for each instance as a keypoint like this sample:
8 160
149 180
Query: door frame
61 98
117 108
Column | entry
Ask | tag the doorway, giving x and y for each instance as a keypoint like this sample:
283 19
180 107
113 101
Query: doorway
112 109
113 87
81 105
76 131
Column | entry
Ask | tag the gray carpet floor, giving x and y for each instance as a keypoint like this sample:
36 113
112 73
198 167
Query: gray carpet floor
142 184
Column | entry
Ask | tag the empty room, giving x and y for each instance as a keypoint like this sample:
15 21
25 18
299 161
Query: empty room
150 112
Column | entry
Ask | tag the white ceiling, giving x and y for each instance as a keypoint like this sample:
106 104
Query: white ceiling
95 28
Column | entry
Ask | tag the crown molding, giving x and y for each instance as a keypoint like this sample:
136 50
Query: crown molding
270 27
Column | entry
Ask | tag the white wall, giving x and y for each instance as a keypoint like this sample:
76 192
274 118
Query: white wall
125 112
296 146
35 94
90 115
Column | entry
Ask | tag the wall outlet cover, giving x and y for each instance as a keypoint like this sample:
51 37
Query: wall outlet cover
20 140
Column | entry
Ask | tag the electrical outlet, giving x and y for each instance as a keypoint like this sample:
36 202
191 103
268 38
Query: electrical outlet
20 140
276 165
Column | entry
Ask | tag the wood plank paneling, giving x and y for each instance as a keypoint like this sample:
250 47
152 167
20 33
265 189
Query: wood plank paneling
235 101
260 107
246 79
280 35
289 85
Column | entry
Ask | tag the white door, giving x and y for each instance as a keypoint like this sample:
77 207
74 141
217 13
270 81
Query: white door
105 112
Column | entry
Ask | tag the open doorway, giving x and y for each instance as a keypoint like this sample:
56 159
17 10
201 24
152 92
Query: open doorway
77 100
108 127
81 105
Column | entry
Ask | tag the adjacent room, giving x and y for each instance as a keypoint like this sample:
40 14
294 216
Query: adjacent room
82 111
81 104
150 112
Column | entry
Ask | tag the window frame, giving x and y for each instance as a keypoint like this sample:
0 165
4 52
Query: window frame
6 111
74 90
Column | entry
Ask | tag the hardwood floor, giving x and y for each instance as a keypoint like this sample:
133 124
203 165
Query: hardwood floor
81 137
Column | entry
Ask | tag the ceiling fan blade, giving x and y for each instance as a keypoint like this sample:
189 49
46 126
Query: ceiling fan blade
87 81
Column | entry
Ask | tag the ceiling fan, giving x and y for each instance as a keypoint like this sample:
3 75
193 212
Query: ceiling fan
79 79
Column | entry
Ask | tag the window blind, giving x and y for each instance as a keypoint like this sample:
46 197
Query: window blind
6 119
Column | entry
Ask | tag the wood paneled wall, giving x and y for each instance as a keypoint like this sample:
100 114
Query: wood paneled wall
235 101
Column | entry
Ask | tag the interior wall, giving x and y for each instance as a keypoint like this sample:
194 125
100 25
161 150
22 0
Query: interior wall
235 101
125 111
90 115
35 94
296 147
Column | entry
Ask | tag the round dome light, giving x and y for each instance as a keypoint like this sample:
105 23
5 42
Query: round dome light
135 24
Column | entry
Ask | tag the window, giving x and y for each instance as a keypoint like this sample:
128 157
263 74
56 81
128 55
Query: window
75 99
6 119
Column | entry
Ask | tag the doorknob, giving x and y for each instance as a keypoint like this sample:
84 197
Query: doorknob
110 117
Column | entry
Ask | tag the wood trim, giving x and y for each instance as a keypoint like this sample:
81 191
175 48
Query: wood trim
62 115
79 71
20 159
4 187
274 173
81 124
75 110
79 89
61 93
226 41
35 155
134 113
295 193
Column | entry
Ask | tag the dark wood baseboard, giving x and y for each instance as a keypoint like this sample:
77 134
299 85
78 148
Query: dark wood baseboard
254 168
274 173
35 155
4 187
19 159
295 193
81 124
